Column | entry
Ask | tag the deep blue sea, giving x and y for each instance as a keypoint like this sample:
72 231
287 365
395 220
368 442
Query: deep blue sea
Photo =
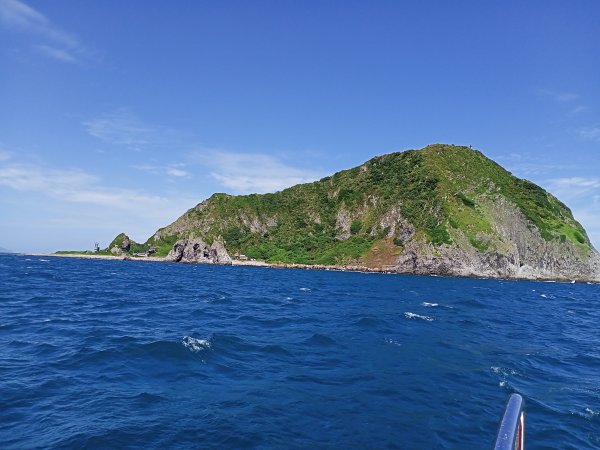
125 354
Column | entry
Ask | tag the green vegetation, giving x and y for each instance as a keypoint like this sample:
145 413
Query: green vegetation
479 245
356 226
472 177
466 201
445 192
118 241
163 246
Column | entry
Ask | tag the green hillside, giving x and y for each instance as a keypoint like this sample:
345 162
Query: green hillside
444 195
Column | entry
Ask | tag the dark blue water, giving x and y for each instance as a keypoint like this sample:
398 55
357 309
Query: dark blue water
119 354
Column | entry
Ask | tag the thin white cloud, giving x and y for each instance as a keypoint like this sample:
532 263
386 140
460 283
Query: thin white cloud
575 190
30 178
57 43
245 173
73 186
577 110
124 128
589 133
16 14
175 172
56 53
570 102
526 166
5 155
79 207
120 127
558 96
172 170
576 182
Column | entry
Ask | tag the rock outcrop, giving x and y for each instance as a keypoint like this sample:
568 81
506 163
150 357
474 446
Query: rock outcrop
519 251
126 244
197 251
120 245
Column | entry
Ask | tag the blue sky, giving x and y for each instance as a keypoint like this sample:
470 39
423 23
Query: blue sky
119 116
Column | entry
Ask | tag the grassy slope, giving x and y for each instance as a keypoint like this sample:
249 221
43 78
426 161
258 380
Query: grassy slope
439 188
468 178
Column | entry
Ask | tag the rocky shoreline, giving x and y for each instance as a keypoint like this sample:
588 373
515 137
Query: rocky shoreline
336 268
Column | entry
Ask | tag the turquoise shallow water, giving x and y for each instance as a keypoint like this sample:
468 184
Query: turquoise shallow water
123 354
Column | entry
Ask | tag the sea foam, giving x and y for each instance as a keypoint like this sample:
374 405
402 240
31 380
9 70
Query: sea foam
195 345
392 342
411 315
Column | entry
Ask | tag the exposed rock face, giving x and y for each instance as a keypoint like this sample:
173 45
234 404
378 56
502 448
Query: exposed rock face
342 223
255 225
394 224
198 251
120 245
525 254
126 244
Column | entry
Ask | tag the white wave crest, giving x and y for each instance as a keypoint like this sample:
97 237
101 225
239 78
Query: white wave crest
505 371
588 413
195 345
591 412
429 305
392 342
305 289
411 315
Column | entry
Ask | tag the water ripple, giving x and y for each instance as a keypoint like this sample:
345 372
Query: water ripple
124 354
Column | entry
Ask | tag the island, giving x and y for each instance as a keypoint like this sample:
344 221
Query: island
441 210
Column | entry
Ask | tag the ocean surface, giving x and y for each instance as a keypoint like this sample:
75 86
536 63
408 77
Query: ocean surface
125 354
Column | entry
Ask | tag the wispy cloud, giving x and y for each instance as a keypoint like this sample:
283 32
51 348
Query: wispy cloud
244 173
84 204
67 185
56 53
577 110
576 182
172 170
124 128
558 96
57 43
575 189
77 186
574 112
120 127
526 166
589 133
5 155
571 103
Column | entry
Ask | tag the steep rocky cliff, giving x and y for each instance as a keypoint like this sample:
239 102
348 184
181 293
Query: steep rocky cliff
198 251
439 210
